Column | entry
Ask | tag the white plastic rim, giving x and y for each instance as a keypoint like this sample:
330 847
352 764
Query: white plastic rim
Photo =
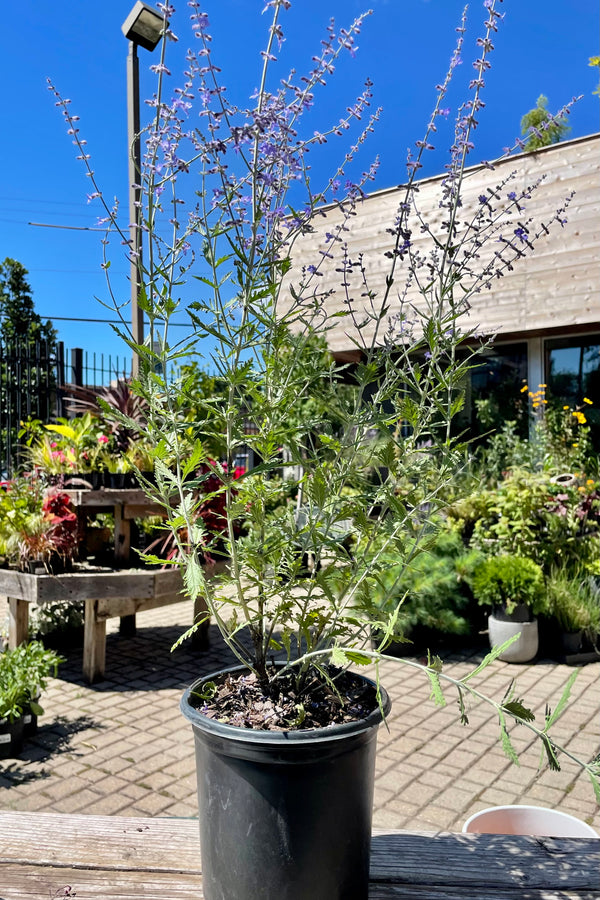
532 820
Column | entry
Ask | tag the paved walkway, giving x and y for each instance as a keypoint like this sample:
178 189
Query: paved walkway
121 747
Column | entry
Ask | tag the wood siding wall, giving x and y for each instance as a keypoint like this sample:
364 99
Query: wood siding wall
554 288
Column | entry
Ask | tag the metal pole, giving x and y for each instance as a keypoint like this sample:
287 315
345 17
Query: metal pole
135 196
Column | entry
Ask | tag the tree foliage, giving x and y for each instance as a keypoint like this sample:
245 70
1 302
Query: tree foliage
541 127
18 319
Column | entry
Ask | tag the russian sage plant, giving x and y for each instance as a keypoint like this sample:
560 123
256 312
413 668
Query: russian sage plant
365 449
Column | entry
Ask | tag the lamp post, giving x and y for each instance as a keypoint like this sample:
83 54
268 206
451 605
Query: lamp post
142 27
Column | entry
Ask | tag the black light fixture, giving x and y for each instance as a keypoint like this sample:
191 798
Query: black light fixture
143 26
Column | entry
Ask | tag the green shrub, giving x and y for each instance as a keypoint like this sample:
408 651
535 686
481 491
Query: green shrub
24 674
430 591
574 602
508 581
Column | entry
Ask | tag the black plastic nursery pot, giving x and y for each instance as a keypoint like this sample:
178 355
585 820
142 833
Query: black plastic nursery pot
284 815
11 737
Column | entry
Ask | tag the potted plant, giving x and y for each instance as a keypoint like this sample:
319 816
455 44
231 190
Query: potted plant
67 448
285 743
514 587
574 604
38 527
24 673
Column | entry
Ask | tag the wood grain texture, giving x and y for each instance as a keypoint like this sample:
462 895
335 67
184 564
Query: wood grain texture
159 859
556 286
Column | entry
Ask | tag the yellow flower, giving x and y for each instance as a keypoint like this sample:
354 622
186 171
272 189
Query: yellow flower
566 407
543 385
524 388
585 400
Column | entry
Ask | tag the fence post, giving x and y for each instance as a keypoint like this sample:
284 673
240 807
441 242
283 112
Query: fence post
77 366
60 378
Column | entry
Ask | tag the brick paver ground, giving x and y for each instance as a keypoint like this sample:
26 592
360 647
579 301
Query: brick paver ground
121 747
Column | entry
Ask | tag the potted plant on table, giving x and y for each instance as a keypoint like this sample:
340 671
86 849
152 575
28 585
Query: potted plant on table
285 743
38 527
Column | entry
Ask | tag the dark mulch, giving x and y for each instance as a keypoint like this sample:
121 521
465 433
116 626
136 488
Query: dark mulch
240 699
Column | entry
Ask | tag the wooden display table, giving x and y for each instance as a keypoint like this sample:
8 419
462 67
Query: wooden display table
107 593
47 855
125 505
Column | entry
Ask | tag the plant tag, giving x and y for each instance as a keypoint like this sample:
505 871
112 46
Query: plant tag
4 738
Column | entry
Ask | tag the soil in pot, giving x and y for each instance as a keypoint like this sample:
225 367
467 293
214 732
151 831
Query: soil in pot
285 814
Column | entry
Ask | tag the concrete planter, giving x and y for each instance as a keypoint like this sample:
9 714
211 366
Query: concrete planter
502 628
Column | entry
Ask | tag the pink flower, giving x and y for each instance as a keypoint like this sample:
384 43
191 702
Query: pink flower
102 439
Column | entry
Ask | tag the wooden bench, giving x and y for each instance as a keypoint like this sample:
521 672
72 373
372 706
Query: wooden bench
106 593
48 855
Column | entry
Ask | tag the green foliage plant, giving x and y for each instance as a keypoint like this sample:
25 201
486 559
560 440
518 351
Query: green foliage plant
65 446
574 602
431 591
35 523
529 514
507 581
541 128
24 673
253 195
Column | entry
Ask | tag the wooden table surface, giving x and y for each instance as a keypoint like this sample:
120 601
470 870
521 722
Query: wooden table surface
44 856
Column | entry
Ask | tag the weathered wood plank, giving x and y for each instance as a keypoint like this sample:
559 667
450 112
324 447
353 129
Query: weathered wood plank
51 839
151 859
122 537
555 287
31 882
499 861
129 606
18 621
94 643
107 497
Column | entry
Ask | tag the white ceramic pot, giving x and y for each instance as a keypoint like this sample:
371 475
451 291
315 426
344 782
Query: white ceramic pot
534 820
526 645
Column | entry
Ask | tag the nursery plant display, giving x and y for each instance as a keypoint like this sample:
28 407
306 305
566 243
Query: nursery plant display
295 714
24 674
38 527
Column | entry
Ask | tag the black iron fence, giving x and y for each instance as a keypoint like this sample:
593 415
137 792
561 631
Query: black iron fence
35 378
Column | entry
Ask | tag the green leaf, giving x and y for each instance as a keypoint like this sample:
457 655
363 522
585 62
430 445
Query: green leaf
437 695
595 785
491 656
361 659
338 657
193 577
551 717
464 718
507 744
550 753
434 663
516 709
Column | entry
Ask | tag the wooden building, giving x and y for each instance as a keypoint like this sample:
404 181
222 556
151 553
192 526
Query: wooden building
545 312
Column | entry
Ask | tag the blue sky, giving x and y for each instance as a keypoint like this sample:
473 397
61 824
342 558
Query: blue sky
542 46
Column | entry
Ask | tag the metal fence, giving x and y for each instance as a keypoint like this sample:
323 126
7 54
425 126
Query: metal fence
35 378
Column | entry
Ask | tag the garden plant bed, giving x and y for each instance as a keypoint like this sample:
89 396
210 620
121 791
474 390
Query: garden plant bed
107 593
